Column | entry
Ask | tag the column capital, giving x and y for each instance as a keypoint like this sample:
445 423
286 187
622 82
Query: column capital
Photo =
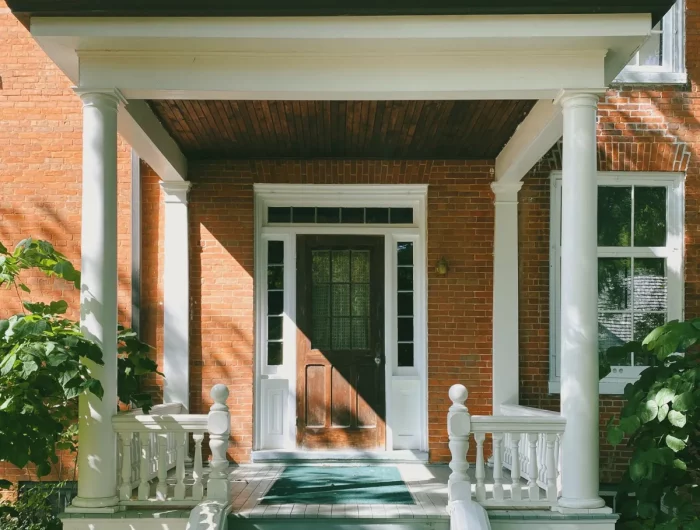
176 191
587 97
506 192
91 96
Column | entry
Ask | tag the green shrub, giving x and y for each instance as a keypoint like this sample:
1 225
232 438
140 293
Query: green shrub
31 511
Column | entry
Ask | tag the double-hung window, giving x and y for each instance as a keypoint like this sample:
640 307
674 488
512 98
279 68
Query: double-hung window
640 262
661 59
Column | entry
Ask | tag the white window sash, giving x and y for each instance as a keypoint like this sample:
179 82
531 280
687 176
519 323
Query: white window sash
615 382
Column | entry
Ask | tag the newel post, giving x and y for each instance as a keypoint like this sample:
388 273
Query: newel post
219 427
459 487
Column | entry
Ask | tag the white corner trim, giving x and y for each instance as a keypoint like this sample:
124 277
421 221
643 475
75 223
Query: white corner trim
145 133
537 133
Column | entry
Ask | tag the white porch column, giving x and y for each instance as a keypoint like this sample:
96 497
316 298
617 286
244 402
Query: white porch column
505 295
176 289
579 300
97 483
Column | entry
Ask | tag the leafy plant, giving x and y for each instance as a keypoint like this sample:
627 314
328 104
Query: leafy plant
661 418
31 511
41 368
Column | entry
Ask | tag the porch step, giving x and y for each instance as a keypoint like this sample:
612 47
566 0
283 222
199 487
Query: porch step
337 523
320 457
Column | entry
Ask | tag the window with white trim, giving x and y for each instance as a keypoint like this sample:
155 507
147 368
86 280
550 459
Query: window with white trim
640 265
661 58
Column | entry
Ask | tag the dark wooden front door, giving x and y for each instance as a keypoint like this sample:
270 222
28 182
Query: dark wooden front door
340 342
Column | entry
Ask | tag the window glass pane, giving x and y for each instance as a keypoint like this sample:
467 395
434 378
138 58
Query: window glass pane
274 328
275 302
614 216
650 284
405 329
321 266
352 215
360 333
304 215
377 215
651 52
274 353
405 354
405 304
327 215
360 266
341 266
405 253
275 252
614 329
405 278
279 215
341 299
360 300
645 323
275 277
649 216
614 291
340 334
402 216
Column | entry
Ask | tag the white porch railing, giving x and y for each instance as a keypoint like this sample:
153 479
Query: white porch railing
150 445
534 436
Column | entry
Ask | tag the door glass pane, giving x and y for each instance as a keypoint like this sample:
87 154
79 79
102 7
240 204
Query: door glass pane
275 302
405 354
650 285
340 294
321 332
340 334
614 291
360 333
360 300
321 266
649 216
614 216
341 266
321 300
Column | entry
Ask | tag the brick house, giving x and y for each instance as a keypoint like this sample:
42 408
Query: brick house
407 214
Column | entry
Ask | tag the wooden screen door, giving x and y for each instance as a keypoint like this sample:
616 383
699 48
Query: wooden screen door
340 344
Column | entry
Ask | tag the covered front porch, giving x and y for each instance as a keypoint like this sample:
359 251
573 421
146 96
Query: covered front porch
500 89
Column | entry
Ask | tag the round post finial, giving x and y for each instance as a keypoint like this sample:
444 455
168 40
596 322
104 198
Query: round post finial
219 393
458 394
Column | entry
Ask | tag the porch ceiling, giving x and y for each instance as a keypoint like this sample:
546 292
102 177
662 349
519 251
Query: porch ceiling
341 129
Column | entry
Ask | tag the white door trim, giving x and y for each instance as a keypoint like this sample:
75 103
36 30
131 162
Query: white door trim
275 386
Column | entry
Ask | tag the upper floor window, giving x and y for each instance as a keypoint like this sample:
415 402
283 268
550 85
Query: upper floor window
661 59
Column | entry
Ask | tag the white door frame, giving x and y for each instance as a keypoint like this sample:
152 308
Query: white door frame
275 386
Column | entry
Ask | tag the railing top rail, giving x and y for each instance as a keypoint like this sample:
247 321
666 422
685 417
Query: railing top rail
156 410
518 424
519 410
154 423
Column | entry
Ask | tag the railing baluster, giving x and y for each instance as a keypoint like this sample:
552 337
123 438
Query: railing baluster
198 486
497 466
144 484
219 427
180 449
516 491
507 457
162 488
458 429
125 488
533 488
551 468
135 459
480 471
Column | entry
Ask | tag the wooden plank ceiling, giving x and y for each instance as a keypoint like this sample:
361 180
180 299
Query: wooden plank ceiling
341 129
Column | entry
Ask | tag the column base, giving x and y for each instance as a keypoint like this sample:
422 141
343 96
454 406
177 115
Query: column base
594 505
96 505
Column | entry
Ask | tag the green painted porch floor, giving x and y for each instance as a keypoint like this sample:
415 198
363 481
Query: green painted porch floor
339 485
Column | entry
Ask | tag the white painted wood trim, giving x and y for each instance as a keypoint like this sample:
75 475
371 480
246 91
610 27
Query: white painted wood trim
674 251
414 196
176 294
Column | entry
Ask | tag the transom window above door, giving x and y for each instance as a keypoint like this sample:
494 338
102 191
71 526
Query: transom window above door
338 215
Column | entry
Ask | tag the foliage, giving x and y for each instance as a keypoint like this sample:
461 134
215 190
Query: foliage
42 368
31 511
661 417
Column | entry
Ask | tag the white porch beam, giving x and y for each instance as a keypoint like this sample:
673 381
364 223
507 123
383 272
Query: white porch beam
537 133
505 296
579 304
97 484
145 133
176 301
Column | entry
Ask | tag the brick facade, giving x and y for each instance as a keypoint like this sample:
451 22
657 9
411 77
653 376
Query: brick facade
649 128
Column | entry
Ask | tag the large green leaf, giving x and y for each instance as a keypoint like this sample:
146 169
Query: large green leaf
664 396
663 412
638 469
648 411
675 444
8 363
683 402
677 419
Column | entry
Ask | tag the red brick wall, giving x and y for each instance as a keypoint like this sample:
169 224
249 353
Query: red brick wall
40 174
460 227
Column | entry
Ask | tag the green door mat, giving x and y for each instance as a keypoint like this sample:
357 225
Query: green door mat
339 485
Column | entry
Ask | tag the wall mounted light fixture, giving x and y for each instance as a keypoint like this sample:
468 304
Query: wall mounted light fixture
441 266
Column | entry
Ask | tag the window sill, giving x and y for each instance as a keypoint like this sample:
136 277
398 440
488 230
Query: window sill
636 77
607 388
